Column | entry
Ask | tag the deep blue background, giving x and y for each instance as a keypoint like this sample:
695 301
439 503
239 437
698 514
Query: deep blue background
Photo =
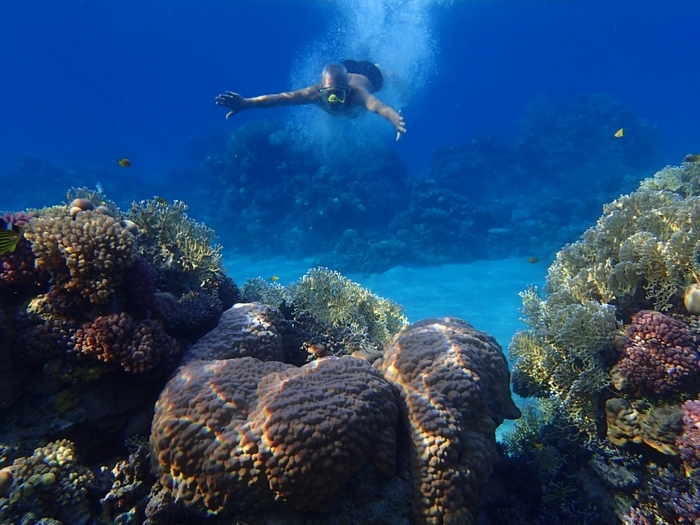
88 82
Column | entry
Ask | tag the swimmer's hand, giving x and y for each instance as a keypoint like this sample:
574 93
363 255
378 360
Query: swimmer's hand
400 125
231 100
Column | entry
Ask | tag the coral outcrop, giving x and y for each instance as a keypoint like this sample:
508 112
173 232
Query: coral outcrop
245 329
86 254
660 356
454 387
49 483
234 431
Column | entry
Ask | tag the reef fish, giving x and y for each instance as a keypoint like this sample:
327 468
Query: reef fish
124 162
692 158
620 133
274 278
10 234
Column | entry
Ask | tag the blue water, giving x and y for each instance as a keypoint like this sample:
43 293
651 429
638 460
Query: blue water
87 82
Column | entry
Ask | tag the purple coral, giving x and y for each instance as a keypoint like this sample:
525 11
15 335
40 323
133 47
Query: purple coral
688 443
661 356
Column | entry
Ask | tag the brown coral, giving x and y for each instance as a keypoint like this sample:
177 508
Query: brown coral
246 329
454 385
226 432
118 338
659 428
86 255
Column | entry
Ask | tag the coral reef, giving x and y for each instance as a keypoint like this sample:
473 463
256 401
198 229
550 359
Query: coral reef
613 346
50 483
234 430
454 387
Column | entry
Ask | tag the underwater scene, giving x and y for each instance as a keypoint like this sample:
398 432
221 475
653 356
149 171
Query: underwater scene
349 262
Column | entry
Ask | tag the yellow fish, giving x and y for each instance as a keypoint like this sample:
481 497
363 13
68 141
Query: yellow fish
533 260
692 158
124 163
274 278
9 236
620 133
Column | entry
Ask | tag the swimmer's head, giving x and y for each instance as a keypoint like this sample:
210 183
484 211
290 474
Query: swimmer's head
334 75
334 85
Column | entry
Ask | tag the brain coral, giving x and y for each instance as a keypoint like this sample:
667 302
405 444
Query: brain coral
85 254
454 385
246 329
226 432
661 356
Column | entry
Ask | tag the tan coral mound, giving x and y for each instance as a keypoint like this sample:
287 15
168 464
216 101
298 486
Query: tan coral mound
86 254
246 329
231 431
454 385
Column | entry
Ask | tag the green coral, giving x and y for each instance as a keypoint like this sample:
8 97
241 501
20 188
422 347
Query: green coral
335 300
168 238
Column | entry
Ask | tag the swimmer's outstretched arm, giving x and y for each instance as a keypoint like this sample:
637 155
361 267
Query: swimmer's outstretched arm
375 105
236 102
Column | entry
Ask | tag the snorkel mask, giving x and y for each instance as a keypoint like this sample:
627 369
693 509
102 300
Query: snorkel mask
334 96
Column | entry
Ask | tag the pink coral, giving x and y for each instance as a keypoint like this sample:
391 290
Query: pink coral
660 356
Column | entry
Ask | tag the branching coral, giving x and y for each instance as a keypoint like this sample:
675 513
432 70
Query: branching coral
336 300
168 238
561 355
643 249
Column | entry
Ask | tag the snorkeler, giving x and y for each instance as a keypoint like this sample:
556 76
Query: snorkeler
345 91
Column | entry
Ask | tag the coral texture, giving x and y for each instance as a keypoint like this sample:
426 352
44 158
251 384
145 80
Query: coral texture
86 255
661 356
454 386
137 346
231 431
246 329
689 442
50 483
659 428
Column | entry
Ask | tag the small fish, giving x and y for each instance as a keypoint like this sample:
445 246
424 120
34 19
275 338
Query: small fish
161 200
99 187
274 278
124 163
620 133
692 158
10 234
533 260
